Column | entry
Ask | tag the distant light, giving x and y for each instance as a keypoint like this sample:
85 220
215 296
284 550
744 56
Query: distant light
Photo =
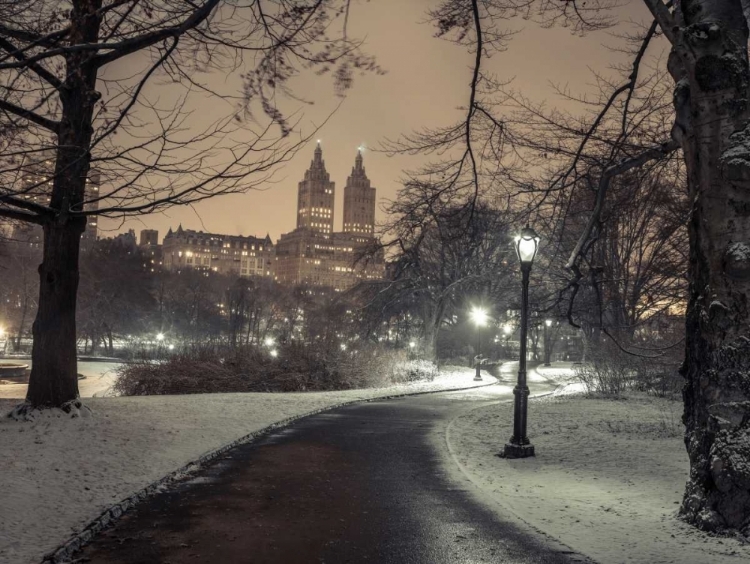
274 353
160 337
2 332
508 329
343 346
269 341
171 347
361 148
548 322
412 344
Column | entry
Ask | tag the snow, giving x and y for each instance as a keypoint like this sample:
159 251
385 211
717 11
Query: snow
606 481
59 473
99 377
739 252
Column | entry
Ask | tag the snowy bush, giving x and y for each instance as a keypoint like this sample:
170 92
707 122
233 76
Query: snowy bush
609 371
297 367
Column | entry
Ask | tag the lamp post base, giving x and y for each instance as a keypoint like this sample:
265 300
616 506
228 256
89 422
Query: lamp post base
517 451
478 377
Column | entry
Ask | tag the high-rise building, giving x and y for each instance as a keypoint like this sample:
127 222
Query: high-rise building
149 238
359 201
36 186
315 255
150 249
315 197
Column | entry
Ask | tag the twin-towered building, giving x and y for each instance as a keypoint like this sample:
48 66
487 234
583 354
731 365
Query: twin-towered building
312 255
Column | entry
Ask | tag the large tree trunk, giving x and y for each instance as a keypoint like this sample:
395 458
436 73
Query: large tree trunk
709 62
53 381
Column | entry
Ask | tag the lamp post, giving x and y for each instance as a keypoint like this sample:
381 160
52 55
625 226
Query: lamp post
547 352
519 446
479 316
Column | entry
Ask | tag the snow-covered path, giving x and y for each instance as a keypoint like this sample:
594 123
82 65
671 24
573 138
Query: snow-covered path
60 473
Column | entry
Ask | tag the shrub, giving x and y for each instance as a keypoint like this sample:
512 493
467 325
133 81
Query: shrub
608 371
212 369
611 371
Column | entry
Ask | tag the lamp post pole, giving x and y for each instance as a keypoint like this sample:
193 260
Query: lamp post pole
478 358
519 445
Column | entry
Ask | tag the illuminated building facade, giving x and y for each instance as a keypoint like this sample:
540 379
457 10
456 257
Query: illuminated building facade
313 254
36 179
223 254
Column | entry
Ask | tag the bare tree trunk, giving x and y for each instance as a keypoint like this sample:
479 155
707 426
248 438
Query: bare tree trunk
54 380
710 65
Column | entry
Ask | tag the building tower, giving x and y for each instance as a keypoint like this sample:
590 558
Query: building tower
359 201
315 197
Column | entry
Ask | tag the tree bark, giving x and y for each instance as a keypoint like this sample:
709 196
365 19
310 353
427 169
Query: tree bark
53 381
710 65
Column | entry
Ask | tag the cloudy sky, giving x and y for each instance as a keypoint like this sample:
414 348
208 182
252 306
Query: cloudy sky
426 83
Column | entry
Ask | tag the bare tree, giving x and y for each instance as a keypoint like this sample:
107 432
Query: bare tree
66 113
709 124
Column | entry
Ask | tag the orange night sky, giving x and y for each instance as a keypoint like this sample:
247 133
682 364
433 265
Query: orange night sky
426 83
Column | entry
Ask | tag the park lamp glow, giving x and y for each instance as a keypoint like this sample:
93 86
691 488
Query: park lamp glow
274 353
479 316
2 332
411 345
508 329
548 322
160 337
527 244
269 342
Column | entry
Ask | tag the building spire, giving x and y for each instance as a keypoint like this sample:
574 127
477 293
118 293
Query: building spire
318 158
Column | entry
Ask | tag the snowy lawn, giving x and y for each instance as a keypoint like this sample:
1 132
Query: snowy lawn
607 478
60 473
99 378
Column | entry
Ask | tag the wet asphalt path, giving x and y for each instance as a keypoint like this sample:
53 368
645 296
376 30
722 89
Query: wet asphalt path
364 483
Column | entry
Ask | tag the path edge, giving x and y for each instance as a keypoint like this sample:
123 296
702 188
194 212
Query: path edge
65 552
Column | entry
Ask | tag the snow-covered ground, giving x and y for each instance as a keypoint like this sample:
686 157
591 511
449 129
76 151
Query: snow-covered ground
607 478
99 377
59 473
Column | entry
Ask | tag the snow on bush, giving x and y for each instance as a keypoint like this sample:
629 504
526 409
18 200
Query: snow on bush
296 367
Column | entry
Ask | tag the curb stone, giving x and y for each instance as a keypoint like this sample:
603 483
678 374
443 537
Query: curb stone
65 553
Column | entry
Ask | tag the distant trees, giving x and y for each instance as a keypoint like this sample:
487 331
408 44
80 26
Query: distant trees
445 257
65 112
116 295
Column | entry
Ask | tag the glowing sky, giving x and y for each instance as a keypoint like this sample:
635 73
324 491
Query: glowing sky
426 82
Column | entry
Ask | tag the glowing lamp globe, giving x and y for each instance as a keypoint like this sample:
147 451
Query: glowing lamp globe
479 316
527 244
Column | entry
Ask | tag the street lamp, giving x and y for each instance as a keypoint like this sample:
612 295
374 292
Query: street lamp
160 337
519 446
547 352
479 316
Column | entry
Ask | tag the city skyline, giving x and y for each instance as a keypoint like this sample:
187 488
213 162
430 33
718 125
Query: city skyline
425 88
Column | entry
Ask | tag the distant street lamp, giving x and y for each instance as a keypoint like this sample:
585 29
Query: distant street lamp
519 446
547 352
274 353
479 316
269 341
160 337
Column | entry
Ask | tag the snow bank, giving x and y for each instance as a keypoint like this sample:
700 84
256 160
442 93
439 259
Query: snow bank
60 473
607 479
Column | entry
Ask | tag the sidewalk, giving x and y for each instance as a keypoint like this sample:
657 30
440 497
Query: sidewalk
61 473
